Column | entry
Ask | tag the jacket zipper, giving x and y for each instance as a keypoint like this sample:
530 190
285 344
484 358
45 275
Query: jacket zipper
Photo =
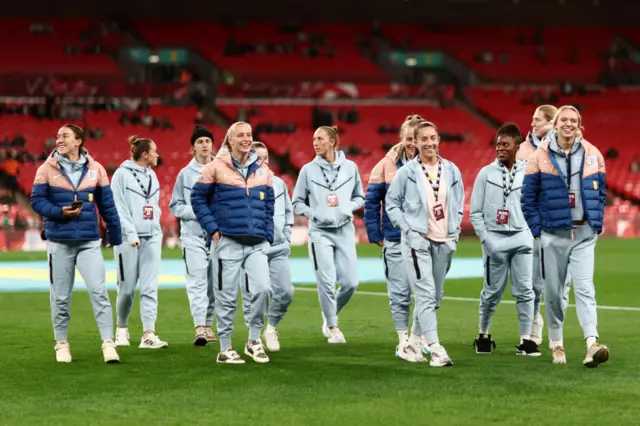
246 188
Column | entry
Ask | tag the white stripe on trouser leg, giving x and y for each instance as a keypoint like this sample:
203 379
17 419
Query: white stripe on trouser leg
198 274
398 286
149 269
416 253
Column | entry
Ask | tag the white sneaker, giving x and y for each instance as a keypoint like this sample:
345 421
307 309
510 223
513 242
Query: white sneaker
63 352
211 336
536 329
109 352
336 336
597 354
559 356
256 352
201 336
229 357
325 328
271 341
410 353
122 336
439 356
151 341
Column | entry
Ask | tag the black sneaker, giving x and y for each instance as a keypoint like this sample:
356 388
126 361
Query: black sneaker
528 348
484 345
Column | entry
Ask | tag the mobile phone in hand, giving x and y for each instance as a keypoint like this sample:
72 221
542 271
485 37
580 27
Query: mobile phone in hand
76 204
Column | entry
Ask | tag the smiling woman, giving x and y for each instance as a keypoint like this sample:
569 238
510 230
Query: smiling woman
67 189
426 201
233 200
567 219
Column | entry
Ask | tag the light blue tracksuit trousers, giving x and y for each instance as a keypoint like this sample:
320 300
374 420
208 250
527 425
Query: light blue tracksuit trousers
64 258
229 259
427 264
560 255
282 289
398 286
138 265
199 280
507 255
333 253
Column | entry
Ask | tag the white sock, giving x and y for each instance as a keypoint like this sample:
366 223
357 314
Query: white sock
590 341
524 337
555 344
403 336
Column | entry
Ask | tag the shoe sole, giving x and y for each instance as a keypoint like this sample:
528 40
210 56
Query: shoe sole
200 341
534 354
122 344
449 364
231 362
341 342
112 361
258 360
482 353
152 347
599 357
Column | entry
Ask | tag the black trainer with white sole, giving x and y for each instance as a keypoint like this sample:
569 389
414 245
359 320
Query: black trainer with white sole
528 348
484 345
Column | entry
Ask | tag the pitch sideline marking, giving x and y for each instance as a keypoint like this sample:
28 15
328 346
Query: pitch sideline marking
472 299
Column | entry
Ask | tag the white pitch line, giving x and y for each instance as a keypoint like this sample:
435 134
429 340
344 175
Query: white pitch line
472 299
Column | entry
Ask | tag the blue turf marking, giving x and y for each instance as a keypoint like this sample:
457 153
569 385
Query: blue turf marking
369 270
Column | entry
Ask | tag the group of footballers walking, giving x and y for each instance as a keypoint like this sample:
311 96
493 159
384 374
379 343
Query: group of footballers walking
537 210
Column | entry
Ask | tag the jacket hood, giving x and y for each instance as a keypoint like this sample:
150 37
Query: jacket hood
195 166
56 159
131 165
552 138
340 157
225 155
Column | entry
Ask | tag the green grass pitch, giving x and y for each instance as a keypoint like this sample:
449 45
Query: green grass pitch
313 383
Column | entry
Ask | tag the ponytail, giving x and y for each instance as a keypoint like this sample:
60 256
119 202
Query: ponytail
332 133
139 146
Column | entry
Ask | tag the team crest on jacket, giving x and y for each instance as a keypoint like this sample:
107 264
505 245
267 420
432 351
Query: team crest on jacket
91 174
261 173
591 161
595 185
261 196
90 198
